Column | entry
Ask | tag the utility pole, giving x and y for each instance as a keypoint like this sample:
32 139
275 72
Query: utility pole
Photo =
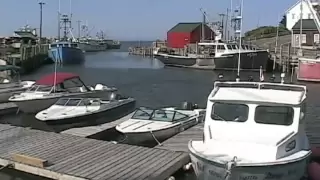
40 33
222 24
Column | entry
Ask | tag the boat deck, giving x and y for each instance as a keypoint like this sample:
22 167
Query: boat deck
90 131
63 156
179 142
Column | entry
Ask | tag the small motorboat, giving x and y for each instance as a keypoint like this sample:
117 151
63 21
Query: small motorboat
10 82
68 110
155 125
253 130
48 89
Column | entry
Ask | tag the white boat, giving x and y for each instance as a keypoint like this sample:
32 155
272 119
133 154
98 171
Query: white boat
253 130
68 110
155 125
48 89
10 82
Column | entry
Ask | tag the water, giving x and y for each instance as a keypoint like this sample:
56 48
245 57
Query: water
147 81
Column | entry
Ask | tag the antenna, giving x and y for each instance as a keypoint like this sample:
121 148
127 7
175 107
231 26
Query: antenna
240 39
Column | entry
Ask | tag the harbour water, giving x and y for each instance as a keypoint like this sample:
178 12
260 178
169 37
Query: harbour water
149 83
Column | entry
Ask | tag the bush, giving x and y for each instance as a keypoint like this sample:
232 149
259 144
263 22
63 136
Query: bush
266 32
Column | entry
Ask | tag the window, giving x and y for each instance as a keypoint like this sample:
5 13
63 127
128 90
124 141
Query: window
277 115
293 16
234 47
243 47
229 112
229 47
221 47
303 38
316 38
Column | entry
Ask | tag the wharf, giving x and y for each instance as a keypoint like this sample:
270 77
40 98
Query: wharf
179 142
7 108
68 157
92 131
141 51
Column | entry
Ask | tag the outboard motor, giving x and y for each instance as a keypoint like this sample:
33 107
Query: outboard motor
187 106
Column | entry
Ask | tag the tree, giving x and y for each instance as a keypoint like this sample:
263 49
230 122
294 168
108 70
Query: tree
283 21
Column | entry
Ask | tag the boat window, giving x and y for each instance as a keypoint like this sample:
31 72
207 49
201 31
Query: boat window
214 47
53 45
142 113
247 47
73 102
62 101
71 83
229 47
221 47
74 45
277 115
163 115
234 47
179 116
40 88
230 112
243 47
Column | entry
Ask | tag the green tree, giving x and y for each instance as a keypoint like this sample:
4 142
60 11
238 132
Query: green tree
283 21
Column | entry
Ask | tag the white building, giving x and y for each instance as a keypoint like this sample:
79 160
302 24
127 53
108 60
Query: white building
294 12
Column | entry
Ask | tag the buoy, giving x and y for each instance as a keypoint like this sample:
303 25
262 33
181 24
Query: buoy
187 167
171 178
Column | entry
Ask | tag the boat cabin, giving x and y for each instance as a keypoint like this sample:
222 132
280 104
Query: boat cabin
256 121
59 82
63 44
225 47
163 115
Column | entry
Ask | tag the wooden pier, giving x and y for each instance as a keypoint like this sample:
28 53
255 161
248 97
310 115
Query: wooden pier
141 51
68 157
92 131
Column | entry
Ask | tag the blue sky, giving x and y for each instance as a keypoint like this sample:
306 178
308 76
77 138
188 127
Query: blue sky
134 19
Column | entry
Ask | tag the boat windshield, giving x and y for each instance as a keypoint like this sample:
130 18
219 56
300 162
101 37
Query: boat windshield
158 115
275 115
39 88
68 102
221 112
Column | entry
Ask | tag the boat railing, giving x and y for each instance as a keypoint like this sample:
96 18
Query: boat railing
262 85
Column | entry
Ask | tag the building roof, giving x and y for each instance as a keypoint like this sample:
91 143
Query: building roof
267 93
60 78
307 24
185 27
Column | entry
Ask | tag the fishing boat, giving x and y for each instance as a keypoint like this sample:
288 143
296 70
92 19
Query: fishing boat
48 89
155 125
66 52
68 110
308 69
237 143
10 82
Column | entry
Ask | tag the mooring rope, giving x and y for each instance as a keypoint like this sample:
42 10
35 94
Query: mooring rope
154 137
230 165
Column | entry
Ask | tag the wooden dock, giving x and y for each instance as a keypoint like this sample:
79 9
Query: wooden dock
7 108
90 131
179 142
68 157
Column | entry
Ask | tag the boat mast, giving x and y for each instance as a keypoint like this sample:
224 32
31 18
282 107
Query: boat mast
301 14
59 9
240 40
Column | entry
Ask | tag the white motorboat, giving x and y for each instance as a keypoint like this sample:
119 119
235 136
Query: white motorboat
155 125
68 110
48 89
10 82
253 130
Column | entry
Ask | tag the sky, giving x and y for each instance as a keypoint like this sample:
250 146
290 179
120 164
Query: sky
134 19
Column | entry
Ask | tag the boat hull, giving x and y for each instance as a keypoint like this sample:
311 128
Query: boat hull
37 105
209 170
249 61
145 138
308 70
124 107
171 60
66 55
5 94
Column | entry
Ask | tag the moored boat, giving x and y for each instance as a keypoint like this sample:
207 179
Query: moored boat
308 69
10 82
237 143
65 52
69 110
155 125
48 89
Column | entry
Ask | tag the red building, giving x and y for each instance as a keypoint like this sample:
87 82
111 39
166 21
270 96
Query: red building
186 33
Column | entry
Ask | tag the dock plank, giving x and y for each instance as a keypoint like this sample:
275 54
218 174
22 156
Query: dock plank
180 141
92 130
76 158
